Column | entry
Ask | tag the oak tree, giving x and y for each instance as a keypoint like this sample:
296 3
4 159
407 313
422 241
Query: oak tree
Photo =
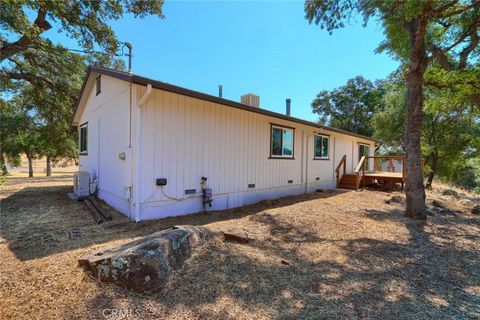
416 32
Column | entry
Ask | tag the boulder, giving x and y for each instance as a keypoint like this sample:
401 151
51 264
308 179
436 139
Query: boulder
476 209
450 192
143 265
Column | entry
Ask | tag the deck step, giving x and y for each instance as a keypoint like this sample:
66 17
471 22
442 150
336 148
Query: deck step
349 181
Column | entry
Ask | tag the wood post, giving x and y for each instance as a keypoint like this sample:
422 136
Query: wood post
364 162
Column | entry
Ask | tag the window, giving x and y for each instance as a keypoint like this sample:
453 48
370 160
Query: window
98 84
84 138
281 142
321 146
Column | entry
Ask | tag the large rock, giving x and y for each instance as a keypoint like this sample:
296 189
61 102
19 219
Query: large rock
143 265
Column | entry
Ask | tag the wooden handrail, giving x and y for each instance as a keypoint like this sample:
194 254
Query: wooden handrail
337 170
360 164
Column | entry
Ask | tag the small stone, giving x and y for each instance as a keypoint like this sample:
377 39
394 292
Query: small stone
466 202
285 263
437 204
236 235
397 199
476 209
446 198
450 192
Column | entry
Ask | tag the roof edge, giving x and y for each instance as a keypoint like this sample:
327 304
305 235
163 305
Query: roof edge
203 96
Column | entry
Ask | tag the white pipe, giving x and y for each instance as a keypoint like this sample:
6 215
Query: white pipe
145 96
137 150
306 164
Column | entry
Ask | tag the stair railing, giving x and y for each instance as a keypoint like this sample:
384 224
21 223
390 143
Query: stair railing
361 166
337 171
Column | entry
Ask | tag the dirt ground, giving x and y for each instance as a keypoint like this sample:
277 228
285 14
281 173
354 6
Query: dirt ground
329 255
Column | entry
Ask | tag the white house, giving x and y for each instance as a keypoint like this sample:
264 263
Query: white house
147 145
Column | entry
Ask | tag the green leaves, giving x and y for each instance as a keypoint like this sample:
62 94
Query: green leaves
349 107
41 80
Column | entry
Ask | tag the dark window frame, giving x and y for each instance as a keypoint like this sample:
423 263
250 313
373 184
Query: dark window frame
322 135
98 84
283 127
83 139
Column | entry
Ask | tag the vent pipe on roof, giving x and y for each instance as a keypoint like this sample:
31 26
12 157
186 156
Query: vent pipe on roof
288 102
220 91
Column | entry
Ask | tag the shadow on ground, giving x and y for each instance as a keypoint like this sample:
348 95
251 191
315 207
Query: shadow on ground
284 275
35 221
308 264
373 279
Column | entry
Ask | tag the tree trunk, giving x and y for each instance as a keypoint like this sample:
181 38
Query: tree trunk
3 163
30 166
414 189
49 166
431 175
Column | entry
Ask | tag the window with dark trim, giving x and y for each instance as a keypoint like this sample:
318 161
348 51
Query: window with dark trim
84 138
98 84
321 145
281 142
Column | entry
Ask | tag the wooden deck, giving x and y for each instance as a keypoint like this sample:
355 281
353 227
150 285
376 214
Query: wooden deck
383 174
394 166
384 177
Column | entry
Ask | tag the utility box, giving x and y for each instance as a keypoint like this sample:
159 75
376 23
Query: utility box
81 184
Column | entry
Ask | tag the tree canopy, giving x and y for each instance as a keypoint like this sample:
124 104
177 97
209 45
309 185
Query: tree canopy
418 33
24 23
40 80
349 107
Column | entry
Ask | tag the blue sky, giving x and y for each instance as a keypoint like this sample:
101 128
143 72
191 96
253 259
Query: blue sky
266 48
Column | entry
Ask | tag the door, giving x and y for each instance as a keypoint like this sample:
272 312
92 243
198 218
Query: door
364 150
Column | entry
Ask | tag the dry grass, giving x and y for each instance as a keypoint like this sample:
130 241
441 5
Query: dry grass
345 255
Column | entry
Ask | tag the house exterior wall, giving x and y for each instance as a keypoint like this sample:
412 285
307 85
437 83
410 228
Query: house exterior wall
185 138
108 117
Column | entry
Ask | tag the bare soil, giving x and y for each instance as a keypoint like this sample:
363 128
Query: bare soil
328 255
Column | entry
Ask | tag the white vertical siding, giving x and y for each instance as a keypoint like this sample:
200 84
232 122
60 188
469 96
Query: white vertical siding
108 116
185 138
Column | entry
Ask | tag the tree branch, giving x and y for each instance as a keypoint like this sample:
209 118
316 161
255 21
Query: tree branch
474 40
33 78
39 26
441 57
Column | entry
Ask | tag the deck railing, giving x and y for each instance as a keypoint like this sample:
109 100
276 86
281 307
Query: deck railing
383 164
